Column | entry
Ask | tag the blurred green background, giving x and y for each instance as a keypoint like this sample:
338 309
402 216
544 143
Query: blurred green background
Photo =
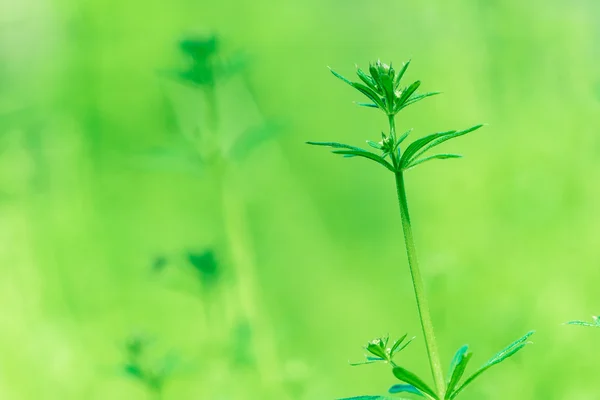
259 274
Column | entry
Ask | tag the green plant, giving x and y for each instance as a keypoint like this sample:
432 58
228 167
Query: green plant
382 85
140 366
213 140
594 324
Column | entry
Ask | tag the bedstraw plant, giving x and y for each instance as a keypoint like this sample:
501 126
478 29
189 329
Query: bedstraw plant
594 324
383 87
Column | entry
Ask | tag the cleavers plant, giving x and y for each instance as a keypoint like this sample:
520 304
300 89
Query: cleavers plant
594 324
382 85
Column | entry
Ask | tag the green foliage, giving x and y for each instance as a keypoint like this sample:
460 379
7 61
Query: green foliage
139 366
206 65
380 352
382 87
462 357
594 324
205 264
406 376
207 71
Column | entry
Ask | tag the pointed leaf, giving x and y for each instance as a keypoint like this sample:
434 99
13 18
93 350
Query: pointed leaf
434 157
447 137
366 90
335 145
374 97
502 355
402 137
400 388
595 323
366 79
357 364
374 145
341 77
410 378
371 105
388 90
406 94
457 368
399 346
418 144
365 154
401 74
419 97
421 146
375 75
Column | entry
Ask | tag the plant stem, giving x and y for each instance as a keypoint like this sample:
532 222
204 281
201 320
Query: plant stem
422 306
238 242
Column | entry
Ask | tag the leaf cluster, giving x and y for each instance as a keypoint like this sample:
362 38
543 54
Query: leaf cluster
378 350
137 366
455 384
205 65
382 86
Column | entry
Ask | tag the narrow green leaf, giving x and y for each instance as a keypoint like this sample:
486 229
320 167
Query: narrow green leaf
430 141
375 75
374 97
366 90
374 145
457 368
401 74
356 364
406 94
403 388
335 145
341 77
388 91
365 154
418 144
410 378
399 346
434 157
366 79
414 99
594 324
367 105
402 137
502 355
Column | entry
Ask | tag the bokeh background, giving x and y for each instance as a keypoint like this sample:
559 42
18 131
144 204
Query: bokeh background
148 207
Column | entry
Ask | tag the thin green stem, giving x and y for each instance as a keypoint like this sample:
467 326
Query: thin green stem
241 254
423 307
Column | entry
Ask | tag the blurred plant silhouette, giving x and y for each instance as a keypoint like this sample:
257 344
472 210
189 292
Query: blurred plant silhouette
217 133
140 366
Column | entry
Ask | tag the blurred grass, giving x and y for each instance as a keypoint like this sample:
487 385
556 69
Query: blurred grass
507 236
